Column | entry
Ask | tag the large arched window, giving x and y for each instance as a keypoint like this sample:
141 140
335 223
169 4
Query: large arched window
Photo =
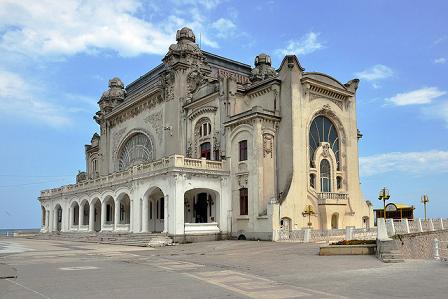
138 149
323 130
325 176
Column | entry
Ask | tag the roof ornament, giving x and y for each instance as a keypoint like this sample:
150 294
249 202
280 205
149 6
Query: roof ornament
263 68
110 98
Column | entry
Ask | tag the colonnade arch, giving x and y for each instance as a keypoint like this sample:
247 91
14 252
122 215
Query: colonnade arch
201 205
84 210
154 210
95 215
57 212
108 213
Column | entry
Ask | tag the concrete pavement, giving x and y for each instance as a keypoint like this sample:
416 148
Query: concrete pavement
224 269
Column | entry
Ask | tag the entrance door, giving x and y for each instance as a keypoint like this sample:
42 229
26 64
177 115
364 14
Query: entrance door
201 208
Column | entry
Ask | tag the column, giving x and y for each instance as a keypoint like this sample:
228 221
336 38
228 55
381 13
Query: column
55 220
65 221
50 221
133 221
145 215
103 215
91 217
80 216
117 214
47 219
165 213
70 218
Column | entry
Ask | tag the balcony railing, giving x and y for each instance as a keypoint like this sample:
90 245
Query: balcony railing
174 161
332 198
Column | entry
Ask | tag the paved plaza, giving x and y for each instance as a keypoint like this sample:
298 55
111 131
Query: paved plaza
222 269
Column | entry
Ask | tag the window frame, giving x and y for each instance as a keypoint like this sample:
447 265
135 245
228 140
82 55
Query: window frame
244 201
242 146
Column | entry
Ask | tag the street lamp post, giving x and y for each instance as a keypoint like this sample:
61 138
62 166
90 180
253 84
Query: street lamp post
384 195
425 200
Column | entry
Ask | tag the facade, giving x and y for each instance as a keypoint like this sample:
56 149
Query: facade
206 146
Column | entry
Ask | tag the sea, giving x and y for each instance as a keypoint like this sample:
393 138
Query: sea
10 232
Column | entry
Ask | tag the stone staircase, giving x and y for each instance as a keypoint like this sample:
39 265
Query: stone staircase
128 239
388 253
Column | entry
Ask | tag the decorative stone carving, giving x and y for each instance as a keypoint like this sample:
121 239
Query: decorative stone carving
325 149
186 45
189 152
168 85
216 142
242 166
194 80
136 109
268 144
243 180
116 138
156 121
263 68
81 176
201 110
110 99
352 85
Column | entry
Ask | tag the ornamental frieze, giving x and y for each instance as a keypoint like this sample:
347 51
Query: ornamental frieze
116 138
268 144
132 111
156 121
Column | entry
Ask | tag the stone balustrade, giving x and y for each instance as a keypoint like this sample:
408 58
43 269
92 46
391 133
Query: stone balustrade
332 198
408 226
170 162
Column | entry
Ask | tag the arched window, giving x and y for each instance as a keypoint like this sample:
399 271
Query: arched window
325 177
138 149
335 221
206 150
323 130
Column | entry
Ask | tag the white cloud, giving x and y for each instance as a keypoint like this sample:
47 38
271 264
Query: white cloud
224 27
440 60
440 40
207 4
416 163
374 73
20 98
62 28
307 44
416 97
439 111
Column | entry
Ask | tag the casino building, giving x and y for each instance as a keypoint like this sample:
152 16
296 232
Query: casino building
203 146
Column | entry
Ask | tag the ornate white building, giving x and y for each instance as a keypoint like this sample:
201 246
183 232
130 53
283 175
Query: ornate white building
205 146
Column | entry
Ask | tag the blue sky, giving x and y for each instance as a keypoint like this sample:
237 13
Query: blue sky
57 56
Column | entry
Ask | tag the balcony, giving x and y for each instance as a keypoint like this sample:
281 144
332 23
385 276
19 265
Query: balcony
332 198
170 163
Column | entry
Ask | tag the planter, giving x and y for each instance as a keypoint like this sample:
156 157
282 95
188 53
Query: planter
365 249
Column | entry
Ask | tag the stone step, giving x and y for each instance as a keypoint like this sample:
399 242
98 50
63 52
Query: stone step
390 261
129 239
391 256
